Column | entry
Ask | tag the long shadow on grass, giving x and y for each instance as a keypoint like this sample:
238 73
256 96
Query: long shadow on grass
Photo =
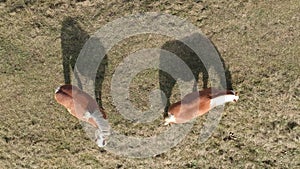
73 39
197 67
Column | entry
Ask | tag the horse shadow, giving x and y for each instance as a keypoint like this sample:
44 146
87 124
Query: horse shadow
73 41
196 65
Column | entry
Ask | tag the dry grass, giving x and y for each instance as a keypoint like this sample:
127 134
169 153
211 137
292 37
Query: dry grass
258 40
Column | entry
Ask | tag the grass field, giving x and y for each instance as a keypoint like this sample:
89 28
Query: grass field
258 41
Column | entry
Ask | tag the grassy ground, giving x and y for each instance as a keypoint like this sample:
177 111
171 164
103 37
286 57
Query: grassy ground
258 40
